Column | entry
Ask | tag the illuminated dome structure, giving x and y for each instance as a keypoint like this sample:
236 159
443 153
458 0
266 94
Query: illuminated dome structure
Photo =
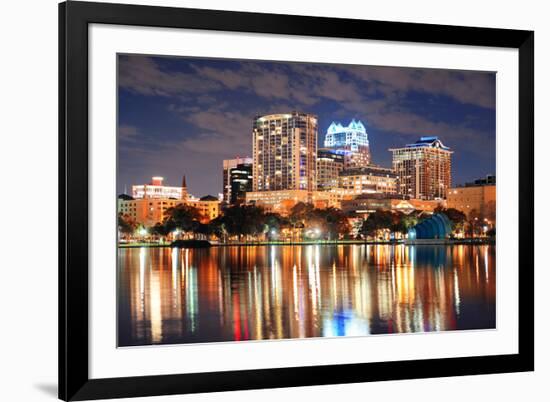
436 227
352 141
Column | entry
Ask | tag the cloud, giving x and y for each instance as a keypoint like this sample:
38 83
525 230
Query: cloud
305 83
325 82
411 126
264 82
144 75
218 131
230 79
217 101
127 132
473 88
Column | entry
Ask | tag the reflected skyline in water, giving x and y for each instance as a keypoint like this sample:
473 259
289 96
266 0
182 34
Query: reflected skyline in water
237 293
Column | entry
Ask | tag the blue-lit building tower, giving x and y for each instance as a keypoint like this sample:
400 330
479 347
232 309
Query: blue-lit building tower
352 141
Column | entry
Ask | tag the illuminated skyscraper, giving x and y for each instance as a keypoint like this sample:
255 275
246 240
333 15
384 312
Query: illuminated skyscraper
285 152
228 165
352 140
241 182
423 169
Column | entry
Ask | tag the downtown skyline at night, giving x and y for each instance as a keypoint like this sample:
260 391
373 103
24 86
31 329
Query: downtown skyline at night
184 116
272 200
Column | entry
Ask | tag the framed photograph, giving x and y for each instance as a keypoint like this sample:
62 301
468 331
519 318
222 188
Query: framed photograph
257 201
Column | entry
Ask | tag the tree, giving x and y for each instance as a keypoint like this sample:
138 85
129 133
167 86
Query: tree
217 227
474 222
160 230
408 221
332 222
301 212
456 217
274 223
244 220
398 223
126 225
376 221
394 221
204 229
182 217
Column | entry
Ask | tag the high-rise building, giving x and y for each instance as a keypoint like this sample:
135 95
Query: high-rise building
240 181
285 152
156 189
329 165
352 140
423 169
229 164
368 180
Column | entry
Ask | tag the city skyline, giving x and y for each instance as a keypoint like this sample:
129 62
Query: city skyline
185 115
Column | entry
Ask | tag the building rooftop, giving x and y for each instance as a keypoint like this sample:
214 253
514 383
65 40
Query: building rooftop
354 125
379 196
371 169
489 180
287 115
432 142
209 198
426 142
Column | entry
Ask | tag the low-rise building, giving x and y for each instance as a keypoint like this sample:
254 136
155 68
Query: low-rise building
330 199
366 204
156 189
208 206
479 195
368 180
148 207
426 205
282 201
149 211
146 211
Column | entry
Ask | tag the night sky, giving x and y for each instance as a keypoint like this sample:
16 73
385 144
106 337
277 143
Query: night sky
180 115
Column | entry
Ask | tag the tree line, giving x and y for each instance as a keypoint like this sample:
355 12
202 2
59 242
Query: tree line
250 222
245 222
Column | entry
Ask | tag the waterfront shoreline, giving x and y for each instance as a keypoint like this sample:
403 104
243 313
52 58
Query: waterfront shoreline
474 242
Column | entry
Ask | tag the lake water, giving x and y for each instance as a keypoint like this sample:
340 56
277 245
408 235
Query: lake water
238 293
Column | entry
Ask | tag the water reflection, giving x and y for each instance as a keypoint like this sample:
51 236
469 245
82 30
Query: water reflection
273 292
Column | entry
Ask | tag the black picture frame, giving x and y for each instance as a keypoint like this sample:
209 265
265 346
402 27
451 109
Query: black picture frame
74 19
